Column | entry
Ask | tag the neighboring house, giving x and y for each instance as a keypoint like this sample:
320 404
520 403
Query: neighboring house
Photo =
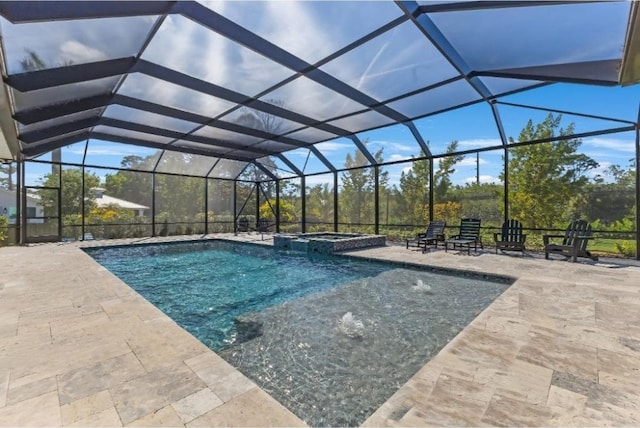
103 200
35 211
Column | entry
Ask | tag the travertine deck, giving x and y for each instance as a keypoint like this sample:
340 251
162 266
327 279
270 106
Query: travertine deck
79 347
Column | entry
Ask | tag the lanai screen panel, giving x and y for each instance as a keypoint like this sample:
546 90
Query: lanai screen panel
248 80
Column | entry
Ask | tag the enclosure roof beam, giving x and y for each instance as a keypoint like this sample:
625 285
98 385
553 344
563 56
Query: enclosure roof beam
233 31
164 146
32 11
290 164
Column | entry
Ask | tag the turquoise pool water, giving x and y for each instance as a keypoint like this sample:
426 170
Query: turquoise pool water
330 337
204 286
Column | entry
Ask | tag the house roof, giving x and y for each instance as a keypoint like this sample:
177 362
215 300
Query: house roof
105 200
242 81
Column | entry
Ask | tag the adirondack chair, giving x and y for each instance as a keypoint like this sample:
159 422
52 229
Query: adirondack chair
243 224
574 242
432 235
469 235
510 238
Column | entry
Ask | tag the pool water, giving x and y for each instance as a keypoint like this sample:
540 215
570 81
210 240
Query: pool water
204 286
337 335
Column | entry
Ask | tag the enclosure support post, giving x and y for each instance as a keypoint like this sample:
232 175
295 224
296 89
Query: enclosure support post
638 185
20 182
206 206
506 184
82 206
303 201
430 189
257 203
376 199
60 201
153 204
235 214
335 201
278 206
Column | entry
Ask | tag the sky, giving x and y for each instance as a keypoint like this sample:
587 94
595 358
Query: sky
472 127
395 62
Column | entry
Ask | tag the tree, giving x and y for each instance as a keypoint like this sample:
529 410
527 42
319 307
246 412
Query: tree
414 192
6 176
319 204
441 177
358 185
72 195
546 179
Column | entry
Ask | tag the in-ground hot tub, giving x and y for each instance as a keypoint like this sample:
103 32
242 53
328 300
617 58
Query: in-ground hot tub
326 242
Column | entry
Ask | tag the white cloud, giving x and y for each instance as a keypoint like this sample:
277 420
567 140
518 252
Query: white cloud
77 52
332 146
104 151
396 157
617 144
471 161
480 142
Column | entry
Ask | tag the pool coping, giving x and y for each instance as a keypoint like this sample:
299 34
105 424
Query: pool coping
555 349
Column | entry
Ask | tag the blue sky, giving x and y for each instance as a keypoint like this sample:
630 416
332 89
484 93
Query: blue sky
395 62
471 126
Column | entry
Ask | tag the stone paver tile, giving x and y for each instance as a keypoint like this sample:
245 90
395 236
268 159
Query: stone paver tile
618 315
451 386
196 404
221 377
67 327
85 407
227 384
153 391
30 390
510 326
127 305
8 322
165 334
507 412
560 355
600 396
402 401
4 388
99 376
619 370
204 360
43 410
253 408
445 408
541 307
523 381
484 348
105 418
165 417
566 406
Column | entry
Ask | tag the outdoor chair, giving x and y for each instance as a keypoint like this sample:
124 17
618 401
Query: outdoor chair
263 226
574 242
510 238
243 224
432 235
468 236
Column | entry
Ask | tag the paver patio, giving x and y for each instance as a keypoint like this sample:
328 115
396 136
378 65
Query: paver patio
78 347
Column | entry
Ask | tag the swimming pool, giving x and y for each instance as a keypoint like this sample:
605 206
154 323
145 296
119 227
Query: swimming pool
330 337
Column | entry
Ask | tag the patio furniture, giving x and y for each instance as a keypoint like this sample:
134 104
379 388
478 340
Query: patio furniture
243 224
510 238
468 236
432 235
574 242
